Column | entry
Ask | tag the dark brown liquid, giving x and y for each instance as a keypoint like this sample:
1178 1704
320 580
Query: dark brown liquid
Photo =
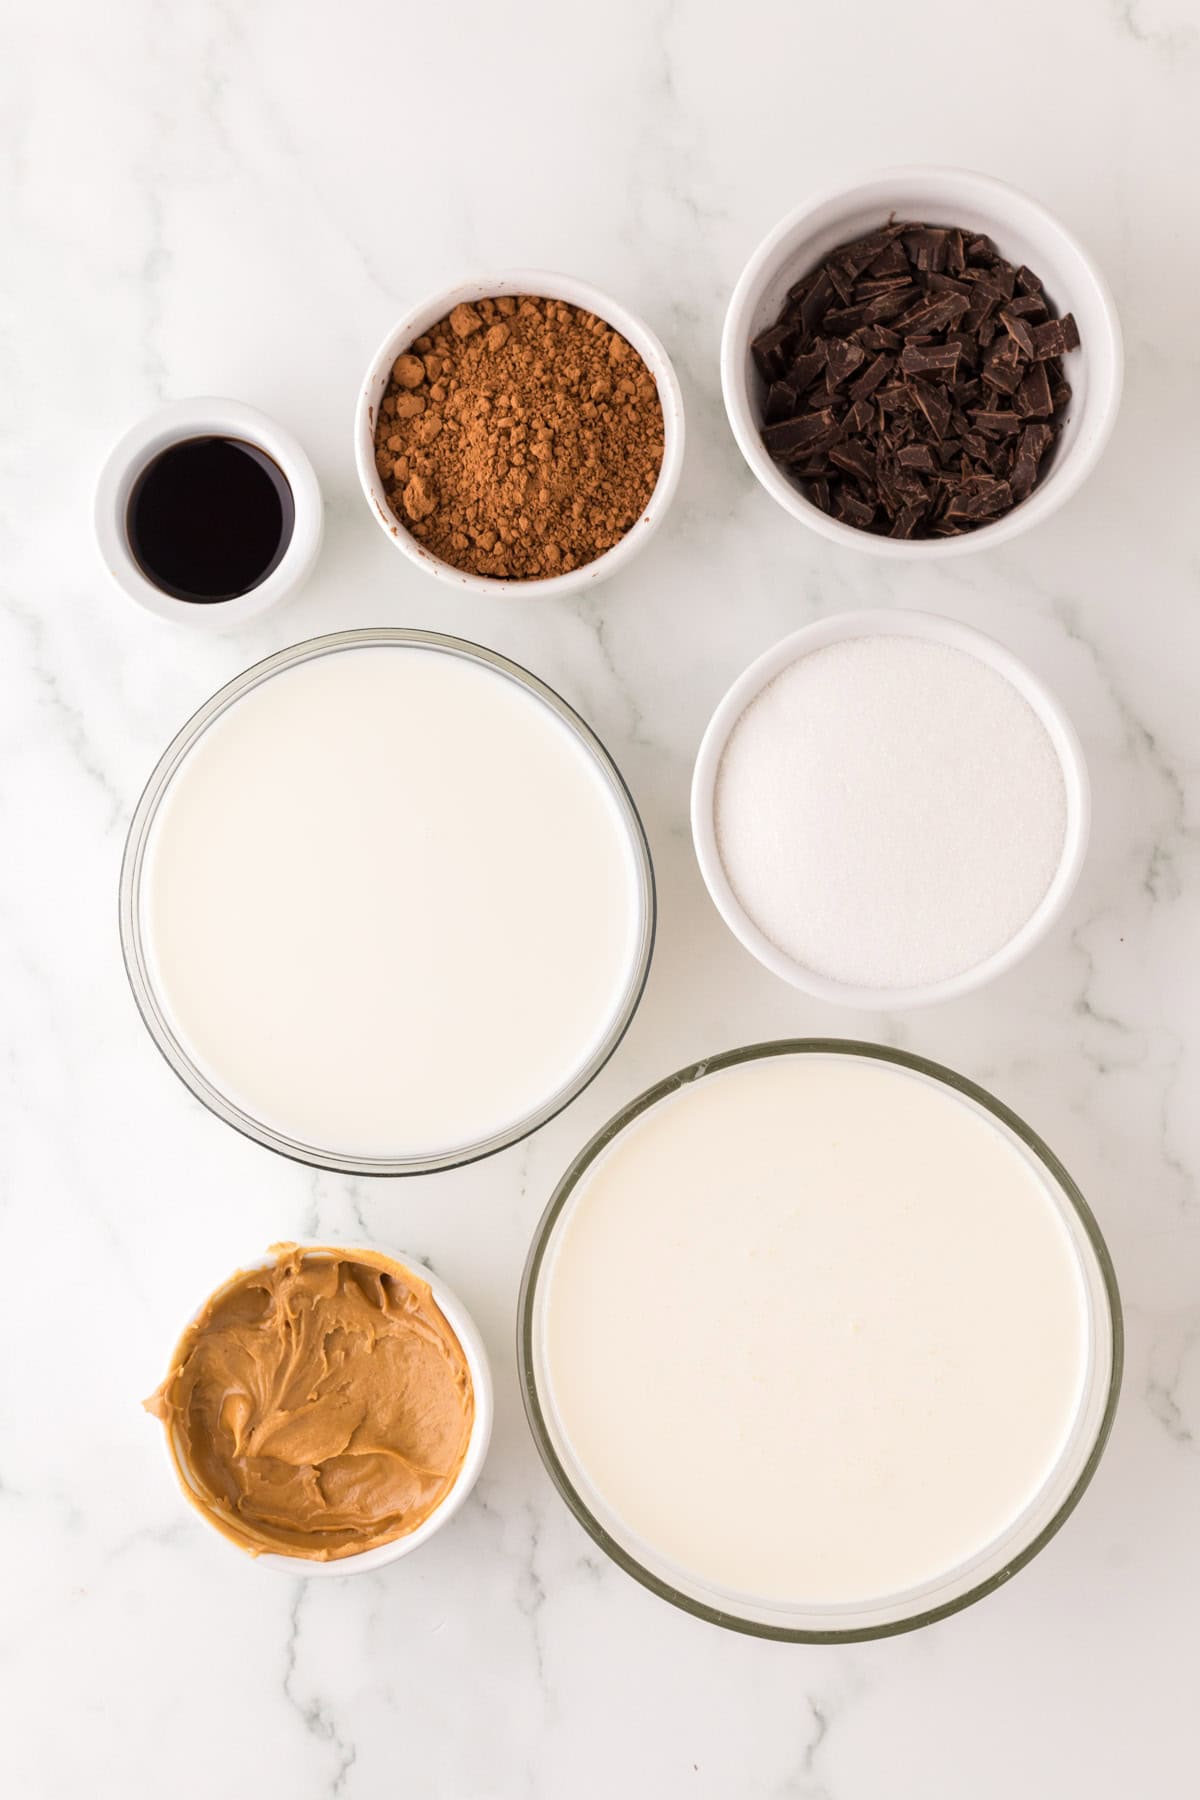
209 519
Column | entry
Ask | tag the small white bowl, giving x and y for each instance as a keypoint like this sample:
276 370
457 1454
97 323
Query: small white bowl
468 1335
207 416
540 282
871 623
1023 232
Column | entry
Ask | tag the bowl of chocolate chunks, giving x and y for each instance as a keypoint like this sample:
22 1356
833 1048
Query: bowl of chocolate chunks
921 364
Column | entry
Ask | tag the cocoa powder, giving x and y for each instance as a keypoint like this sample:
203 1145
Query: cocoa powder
519 437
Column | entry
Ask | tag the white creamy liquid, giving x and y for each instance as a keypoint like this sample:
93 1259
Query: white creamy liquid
390 903
814 1330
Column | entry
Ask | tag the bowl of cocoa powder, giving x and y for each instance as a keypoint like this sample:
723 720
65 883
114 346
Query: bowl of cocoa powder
520 431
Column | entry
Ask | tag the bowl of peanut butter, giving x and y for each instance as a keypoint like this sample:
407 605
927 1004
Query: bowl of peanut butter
328 1408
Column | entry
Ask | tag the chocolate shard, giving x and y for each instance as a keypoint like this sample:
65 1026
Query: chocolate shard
934 405
792 436
781 402
938 360
871 377
906 521
862 252
845 319
855 459
818 493
1055 337
1002 366
853 511
980 311
804 369
1027 281
1032 446
843 283
885 284
891 261
996 424
897 396
1028 306
967 348
982 497
842 358
799 288
917 456
1033 395
949 284
1018 330
934 314
858 418
926 247
816 301
883 309
769 350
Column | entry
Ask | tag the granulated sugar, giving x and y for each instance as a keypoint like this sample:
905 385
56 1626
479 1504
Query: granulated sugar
889 811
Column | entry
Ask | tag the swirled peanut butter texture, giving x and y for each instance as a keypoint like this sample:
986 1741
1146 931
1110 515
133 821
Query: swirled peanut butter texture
319 1406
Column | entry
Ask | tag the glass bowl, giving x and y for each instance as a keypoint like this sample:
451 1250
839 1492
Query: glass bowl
946 1593
138 962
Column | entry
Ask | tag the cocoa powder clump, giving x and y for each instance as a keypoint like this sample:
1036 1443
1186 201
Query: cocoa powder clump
519 437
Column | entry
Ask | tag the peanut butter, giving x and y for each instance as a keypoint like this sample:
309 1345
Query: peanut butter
319 1406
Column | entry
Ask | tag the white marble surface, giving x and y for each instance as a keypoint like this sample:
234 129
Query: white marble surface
240 199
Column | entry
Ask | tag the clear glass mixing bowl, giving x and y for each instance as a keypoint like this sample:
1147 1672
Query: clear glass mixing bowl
138 964
947 1593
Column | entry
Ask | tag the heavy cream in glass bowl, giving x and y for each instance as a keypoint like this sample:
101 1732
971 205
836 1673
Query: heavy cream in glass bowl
819 1341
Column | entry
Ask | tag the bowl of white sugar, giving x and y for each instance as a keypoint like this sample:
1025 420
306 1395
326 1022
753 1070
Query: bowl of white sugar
889 809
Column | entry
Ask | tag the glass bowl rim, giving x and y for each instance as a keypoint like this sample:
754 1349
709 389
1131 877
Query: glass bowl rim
643 1102
129 891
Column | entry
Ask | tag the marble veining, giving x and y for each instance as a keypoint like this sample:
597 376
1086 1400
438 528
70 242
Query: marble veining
241 200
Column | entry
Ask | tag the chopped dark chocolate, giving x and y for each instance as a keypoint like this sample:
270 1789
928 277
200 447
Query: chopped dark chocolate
997 423
782 400
843 358
912 383
769 350
793 435
871 377
1033 393
853 510
938 360
1055 338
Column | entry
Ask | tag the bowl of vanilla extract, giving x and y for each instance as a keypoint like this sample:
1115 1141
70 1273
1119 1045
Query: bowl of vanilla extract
208 513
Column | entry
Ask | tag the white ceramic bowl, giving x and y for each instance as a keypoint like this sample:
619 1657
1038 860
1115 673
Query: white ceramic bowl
207 416
1023 232
468 1335
872 623
553 287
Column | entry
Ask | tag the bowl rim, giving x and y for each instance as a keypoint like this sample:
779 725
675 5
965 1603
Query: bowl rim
142 985
470 1338
204 415
526 1356
1107 360
551 285
931 628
